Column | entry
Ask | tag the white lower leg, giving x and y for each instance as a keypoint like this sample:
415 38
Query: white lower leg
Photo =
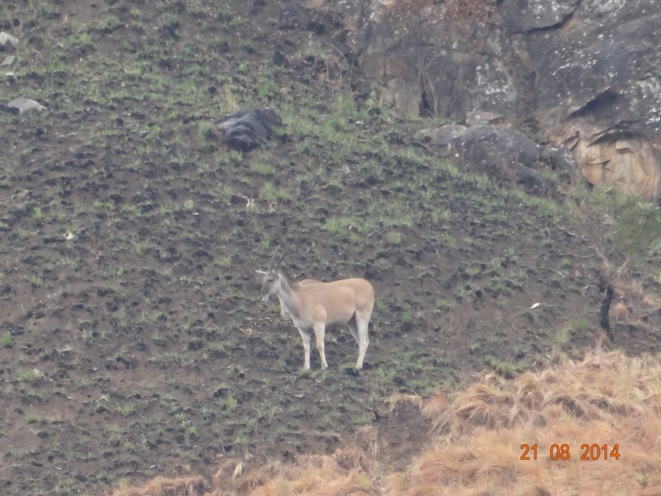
363 342
320 332
305 337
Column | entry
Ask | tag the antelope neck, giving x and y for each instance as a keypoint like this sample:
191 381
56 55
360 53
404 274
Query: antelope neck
289 296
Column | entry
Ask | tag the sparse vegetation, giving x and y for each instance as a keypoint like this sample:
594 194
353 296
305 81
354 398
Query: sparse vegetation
131 234
6 340
29 375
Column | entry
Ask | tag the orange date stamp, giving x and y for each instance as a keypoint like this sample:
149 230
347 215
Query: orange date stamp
588 452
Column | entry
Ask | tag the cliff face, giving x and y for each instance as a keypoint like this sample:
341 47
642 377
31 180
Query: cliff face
586 74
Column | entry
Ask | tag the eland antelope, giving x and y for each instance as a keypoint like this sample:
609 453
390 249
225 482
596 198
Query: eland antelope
315 305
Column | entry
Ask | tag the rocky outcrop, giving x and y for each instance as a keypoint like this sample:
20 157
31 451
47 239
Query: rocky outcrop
585 74
504 154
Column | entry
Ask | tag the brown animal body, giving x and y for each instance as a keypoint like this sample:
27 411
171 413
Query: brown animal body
314 305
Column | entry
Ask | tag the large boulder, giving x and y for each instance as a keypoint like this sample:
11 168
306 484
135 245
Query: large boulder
249 128
583 74
504 154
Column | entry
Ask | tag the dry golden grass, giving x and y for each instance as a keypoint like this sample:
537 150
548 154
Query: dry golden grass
620 312
606 399
161 486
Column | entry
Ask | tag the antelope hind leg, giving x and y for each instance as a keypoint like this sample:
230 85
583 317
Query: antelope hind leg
353 328
363 340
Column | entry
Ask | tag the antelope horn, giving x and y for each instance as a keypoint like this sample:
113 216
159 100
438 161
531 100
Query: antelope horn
273 258
277 257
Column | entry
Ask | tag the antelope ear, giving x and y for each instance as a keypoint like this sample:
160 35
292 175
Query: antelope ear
262 272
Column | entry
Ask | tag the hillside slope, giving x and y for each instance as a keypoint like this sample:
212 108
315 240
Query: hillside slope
133 342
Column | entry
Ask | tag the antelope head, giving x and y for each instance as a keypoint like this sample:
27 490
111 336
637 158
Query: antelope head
272 278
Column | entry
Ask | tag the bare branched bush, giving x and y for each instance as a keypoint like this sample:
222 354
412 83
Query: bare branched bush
476 10
624 228
625 234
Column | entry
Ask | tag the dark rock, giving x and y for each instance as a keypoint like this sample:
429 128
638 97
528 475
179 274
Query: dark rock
247 129
504 154
562 159
279 58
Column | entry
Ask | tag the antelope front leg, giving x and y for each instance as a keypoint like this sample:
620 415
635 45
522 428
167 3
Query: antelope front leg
305 336
320 334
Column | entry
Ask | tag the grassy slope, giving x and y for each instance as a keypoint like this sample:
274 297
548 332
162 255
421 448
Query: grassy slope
131 235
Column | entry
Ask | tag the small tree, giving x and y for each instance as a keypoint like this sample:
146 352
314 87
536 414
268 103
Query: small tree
624 228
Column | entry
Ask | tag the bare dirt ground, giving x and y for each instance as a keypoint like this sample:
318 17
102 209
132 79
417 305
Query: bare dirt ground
132 340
